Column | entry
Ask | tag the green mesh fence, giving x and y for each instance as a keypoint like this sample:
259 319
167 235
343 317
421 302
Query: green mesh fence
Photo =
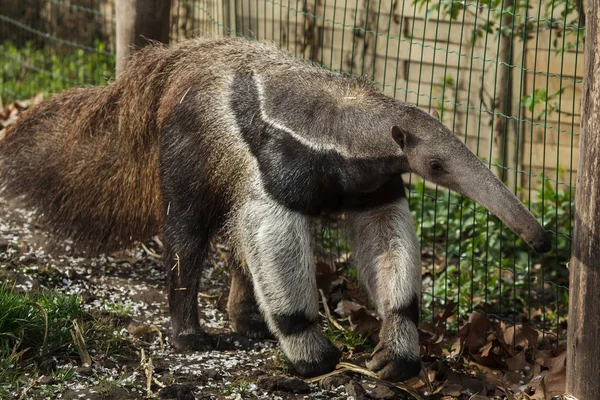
505 75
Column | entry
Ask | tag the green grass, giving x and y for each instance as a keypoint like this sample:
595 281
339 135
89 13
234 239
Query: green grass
23 337
23 321
27 340
281 364
26 71
347 338
116 309
239 387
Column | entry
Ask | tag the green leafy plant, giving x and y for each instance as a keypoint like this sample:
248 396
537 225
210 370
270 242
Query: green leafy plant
481 262
28 70
561 17
540 96
564 22
240 387
346 337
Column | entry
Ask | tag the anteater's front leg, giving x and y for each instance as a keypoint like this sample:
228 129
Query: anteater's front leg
277 245
386 253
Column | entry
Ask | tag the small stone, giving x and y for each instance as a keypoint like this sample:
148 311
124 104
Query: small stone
110 364
48 365
85 371
29 259
256 372
335 381
382 392
356 390
283 383
213 374
179 392
46 380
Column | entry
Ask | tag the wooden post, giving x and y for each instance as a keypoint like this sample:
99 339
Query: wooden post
504 146
583 340
137 22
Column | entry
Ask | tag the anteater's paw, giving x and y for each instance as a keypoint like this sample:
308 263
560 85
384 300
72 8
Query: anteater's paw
251 325
391 366
197 341
327 360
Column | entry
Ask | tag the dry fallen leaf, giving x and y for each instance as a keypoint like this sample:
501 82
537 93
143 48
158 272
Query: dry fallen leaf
489 375
346 307
521 336
518 362
485 351
364 323
473 333
324 276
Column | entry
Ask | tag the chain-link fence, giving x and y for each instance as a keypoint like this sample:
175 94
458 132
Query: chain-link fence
505 75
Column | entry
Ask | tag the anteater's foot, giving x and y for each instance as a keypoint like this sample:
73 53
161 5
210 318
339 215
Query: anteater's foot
196 341
251 325
244 313
326 360
391 366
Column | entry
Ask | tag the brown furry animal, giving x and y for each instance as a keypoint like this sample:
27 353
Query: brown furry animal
88 160
227 135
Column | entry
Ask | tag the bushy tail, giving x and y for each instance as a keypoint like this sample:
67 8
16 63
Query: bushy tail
87 159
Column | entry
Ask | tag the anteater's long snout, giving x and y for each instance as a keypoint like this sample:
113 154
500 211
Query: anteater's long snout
489 191
541 243
515 215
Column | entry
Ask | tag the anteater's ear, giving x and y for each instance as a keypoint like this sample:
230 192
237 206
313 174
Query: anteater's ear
435 114
400 136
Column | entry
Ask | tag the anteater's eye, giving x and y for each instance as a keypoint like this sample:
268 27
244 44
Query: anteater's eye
436 166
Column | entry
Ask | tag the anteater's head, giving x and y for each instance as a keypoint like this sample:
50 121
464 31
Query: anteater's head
437 155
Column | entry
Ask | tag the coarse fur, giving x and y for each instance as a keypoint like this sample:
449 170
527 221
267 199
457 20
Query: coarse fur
236 137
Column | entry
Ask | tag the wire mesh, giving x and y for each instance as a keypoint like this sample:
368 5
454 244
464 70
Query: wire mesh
504 75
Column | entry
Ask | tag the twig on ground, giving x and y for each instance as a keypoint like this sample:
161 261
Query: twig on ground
328 313
14 354
426 379
158 241
25 390
138 330
345 367
146 363
150 252
77 336
208 296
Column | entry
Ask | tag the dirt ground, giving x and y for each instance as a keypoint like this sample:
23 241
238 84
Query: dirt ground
486 359
133 284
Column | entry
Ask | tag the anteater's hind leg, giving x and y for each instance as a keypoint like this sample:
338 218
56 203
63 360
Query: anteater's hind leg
186 242
193 214
244 313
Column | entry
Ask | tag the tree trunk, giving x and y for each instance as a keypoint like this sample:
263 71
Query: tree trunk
139 21
504 142
583 341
